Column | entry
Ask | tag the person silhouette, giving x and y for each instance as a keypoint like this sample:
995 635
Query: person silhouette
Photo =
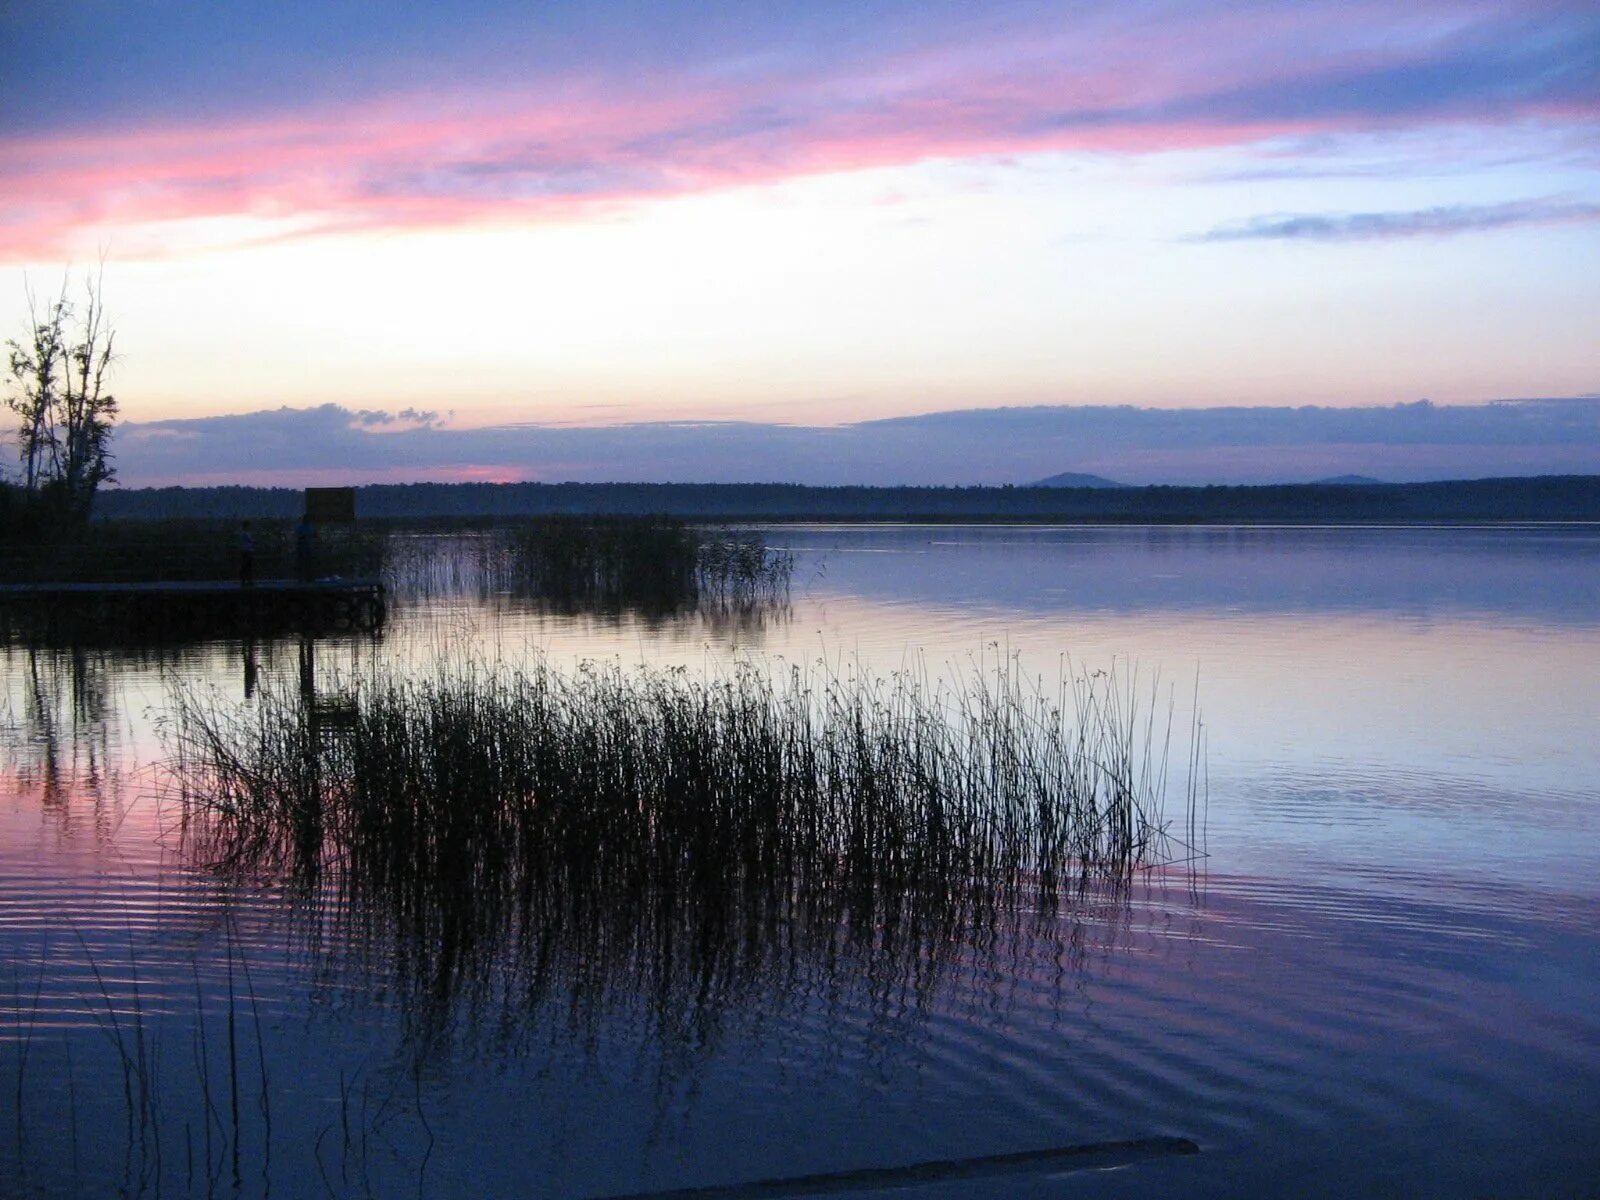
305 535
247 555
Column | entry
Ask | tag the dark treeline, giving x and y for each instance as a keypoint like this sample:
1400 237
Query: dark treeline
1539 498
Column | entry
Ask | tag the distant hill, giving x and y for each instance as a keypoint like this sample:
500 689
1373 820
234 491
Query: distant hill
1075 479
1348 481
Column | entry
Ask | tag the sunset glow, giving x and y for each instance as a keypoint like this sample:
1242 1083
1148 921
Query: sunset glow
617 213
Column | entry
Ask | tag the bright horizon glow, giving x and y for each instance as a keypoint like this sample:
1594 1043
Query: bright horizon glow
614 214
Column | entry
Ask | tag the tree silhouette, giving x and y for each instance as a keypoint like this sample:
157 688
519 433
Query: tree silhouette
58 376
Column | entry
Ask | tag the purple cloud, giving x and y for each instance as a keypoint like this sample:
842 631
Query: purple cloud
1009 445
1427 222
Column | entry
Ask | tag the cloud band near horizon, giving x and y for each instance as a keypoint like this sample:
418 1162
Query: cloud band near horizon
1400 443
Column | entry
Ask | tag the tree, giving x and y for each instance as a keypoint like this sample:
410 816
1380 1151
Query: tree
58 378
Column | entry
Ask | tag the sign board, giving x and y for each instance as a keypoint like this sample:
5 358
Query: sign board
328 505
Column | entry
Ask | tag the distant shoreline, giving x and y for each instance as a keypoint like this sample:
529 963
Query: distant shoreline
1540 499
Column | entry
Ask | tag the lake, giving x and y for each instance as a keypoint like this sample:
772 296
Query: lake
1378 973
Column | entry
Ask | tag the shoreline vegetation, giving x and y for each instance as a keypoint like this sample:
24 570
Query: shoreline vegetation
646 560
655 563
1548 498
657 568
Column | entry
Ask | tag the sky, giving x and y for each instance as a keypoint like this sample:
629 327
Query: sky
673 240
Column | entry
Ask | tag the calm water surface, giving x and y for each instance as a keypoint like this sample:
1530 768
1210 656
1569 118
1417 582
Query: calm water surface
1382 979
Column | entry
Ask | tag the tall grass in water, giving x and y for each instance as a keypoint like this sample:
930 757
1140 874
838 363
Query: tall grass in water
652 563
675 832
586 558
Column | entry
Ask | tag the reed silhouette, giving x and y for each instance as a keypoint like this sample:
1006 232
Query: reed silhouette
520 834
579 563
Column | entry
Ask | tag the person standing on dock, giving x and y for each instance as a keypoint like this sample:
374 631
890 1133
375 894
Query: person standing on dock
305 538
247 555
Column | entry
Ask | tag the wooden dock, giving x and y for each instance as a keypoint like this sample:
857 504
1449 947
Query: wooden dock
176 606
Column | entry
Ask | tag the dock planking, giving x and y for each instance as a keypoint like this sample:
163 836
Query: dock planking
175 604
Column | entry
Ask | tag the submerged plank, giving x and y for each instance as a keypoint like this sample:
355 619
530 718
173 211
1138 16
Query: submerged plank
1053 1161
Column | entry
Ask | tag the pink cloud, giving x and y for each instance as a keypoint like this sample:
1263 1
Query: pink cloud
570 145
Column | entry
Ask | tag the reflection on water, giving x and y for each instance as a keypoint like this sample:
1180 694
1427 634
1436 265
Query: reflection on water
1547 574
1383 983
58 733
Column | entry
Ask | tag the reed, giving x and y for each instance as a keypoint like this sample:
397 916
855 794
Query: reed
644 562
651 563
657 568
133 1013
671 831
